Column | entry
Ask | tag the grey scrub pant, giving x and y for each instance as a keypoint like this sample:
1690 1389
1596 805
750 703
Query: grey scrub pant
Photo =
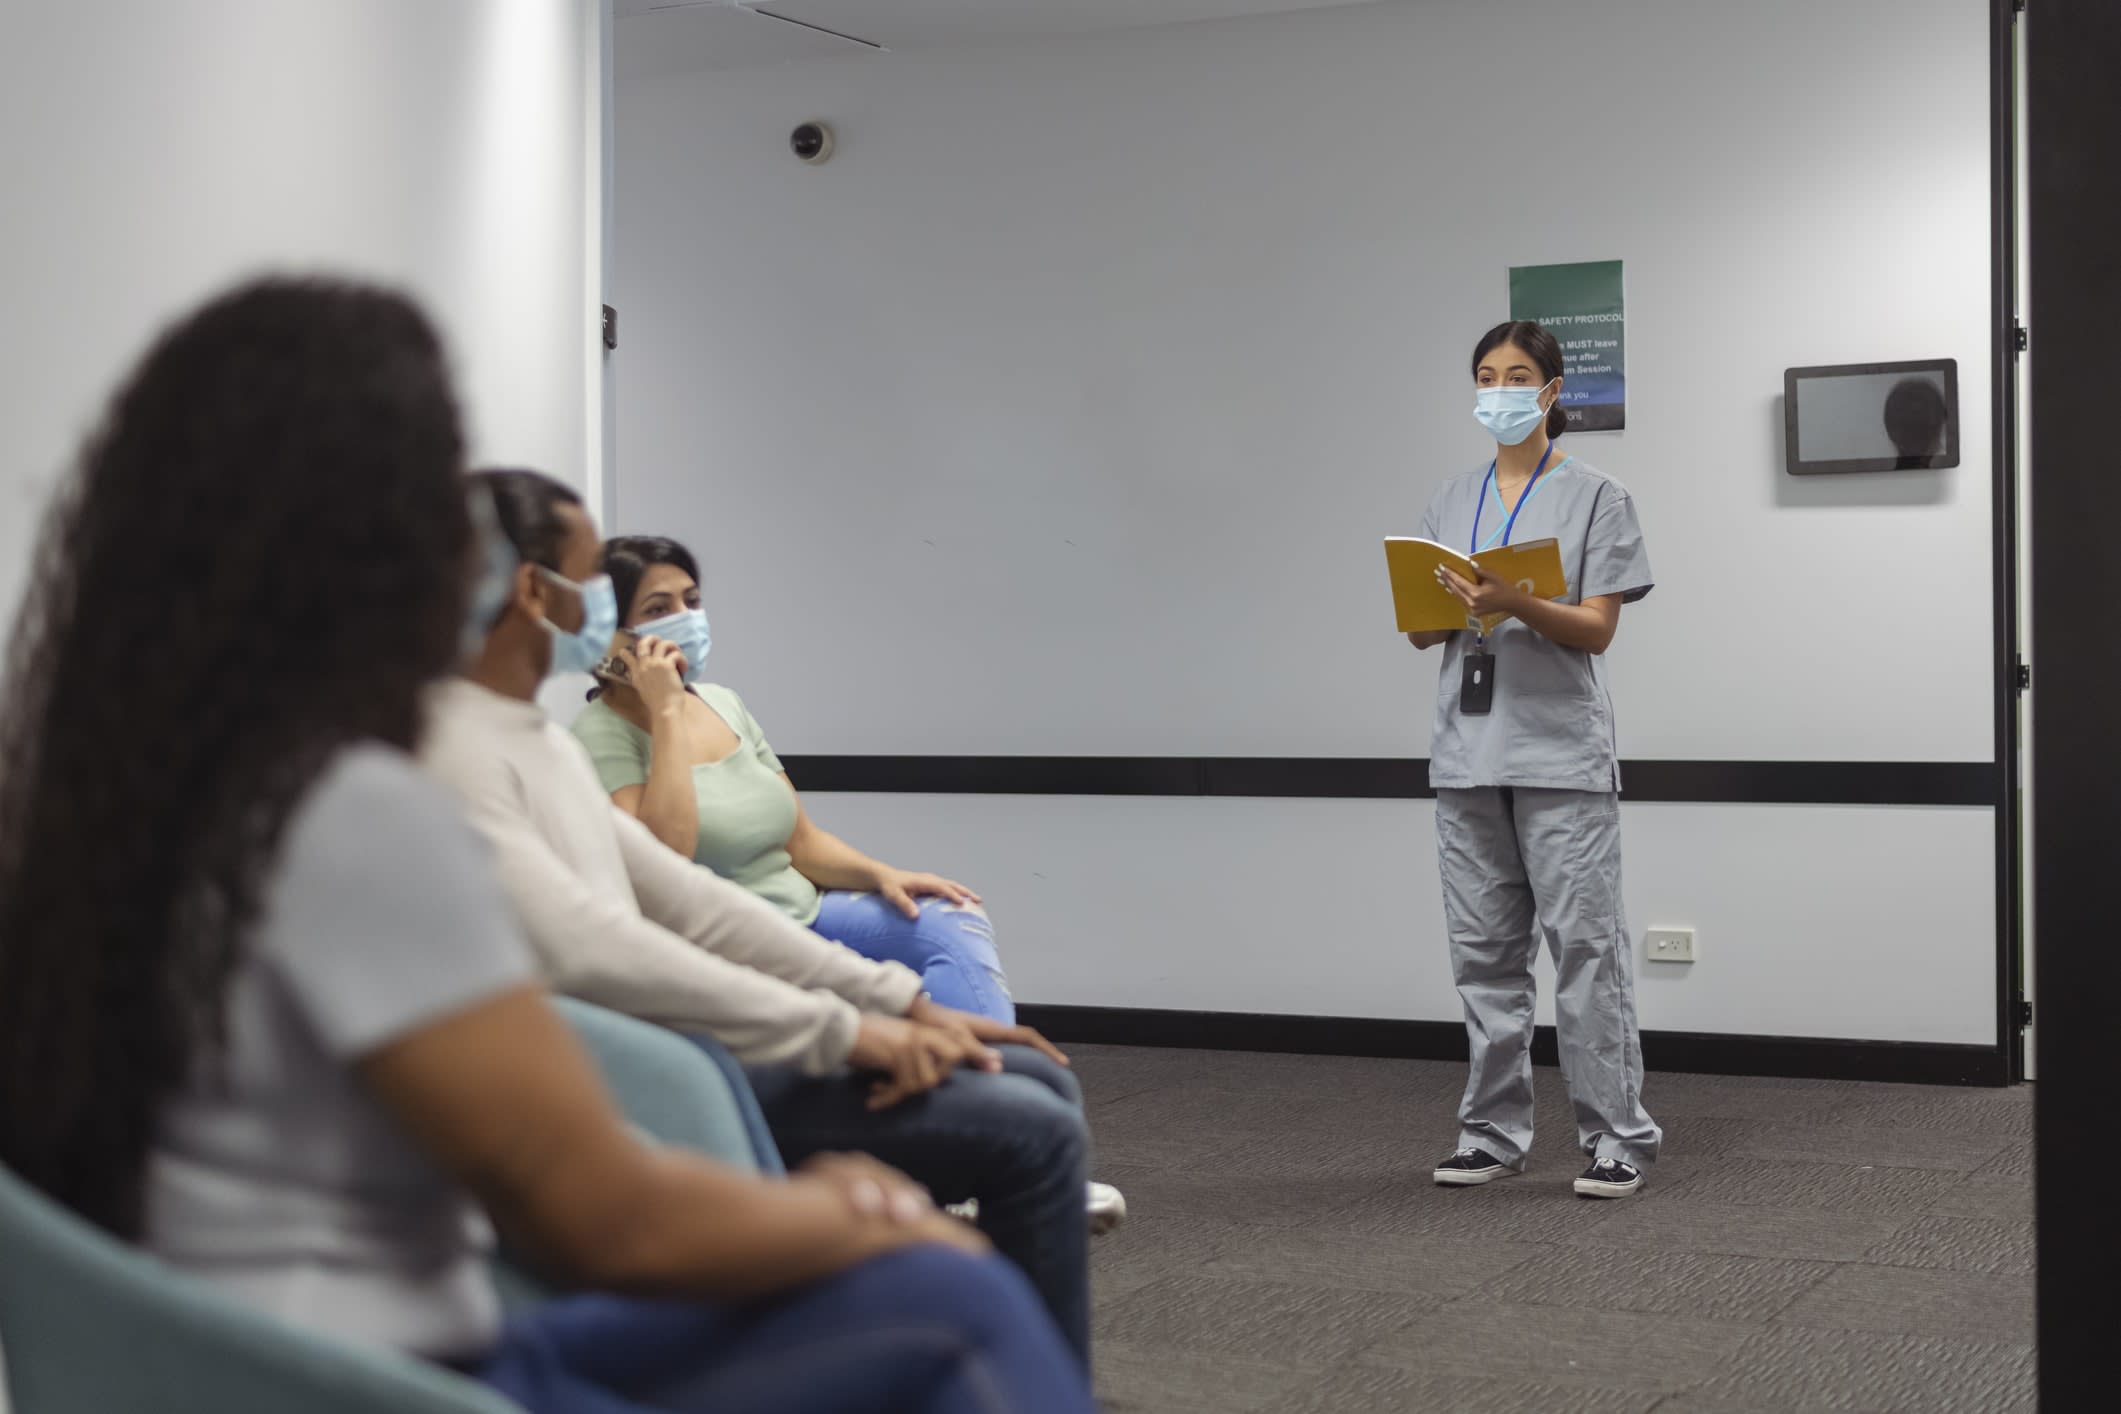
1519 864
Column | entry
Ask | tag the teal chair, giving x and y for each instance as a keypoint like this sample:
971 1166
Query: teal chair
673 1093
670 1089
91 1326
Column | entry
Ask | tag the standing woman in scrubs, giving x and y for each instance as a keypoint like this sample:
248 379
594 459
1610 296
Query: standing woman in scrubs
1527 782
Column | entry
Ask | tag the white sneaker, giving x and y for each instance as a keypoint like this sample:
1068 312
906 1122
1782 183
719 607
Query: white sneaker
1108 1208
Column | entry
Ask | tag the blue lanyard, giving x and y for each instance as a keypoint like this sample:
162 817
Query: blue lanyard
1538 476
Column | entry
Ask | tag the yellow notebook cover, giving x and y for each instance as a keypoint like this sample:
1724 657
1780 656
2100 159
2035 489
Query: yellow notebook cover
1425 606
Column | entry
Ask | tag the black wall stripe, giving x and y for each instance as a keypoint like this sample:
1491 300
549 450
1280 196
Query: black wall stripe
1390 778
1697 1053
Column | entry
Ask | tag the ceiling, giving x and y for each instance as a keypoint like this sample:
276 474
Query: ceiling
683 36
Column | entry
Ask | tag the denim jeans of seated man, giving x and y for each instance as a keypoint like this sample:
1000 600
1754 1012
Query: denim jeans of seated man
921 1331
1016 1141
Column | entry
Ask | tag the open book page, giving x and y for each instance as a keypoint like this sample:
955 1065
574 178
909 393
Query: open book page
1422 603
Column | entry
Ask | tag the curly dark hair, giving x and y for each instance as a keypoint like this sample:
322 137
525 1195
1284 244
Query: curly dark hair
259 559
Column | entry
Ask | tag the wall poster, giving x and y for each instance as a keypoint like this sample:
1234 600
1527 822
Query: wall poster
1581 306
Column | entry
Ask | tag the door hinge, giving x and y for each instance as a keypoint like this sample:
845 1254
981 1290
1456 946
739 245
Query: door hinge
611 327
2020 339
2022 676
2025 1012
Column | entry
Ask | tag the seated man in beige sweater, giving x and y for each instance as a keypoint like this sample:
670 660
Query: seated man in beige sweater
843 1053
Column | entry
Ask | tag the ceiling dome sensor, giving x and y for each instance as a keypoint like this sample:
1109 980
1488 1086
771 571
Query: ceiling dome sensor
812 143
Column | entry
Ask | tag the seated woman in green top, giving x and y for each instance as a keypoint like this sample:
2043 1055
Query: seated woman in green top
688 759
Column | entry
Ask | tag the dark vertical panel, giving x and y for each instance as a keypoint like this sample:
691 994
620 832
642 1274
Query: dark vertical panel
2074 242
2003 518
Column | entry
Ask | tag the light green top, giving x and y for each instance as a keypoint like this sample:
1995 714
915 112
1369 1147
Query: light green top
747 812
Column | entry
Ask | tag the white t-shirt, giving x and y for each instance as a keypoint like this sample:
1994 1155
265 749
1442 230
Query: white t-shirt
278 1177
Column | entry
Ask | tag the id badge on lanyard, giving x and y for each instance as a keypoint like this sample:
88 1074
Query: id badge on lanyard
1476 684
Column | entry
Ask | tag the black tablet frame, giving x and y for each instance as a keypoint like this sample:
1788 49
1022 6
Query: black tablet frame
1949 367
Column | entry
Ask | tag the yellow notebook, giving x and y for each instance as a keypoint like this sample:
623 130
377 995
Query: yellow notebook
1425 606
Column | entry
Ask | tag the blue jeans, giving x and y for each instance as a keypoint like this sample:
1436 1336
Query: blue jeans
1016 1141
950 945
922 1331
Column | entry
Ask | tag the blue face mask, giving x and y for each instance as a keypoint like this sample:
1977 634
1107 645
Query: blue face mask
686 628
496 578
1510 414
583 649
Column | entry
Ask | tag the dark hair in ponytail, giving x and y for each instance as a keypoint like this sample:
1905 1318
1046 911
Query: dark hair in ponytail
1531 336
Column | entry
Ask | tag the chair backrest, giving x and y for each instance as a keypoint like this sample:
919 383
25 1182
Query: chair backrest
666 1084
672 1092
93 1327
71 1298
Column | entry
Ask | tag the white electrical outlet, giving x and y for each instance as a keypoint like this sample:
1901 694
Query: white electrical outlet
1671 945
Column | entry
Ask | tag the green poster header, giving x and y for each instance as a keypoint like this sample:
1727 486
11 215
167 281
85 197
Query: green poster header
1581 305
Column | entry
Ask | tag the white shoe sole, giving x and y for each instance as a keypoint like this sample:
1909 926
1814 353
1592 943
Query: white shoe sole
1108 1208
1592 1188
1470 1178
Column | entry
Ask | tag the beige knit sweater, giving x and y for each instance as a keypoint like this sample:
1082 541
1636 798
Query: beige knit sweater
619 919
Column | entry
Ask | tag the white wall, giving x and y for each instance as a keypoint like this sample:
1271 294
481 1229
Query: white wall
1109 362
1064 410
153 152
1816 920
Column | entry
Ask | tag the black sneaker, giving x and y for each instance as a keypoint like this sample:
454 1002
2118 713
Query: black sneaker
1468 1167
1609 1178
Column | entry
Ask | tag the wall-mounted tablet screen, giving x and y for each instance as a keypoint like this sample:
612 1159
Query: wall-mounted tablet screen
1871 417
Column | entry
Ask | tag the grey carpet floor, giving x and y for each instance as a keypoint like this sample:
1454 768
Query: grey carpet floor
1803 1245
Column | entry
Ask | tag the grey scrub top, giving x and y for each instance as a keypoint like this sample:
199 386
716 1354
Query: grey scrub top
1551 725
